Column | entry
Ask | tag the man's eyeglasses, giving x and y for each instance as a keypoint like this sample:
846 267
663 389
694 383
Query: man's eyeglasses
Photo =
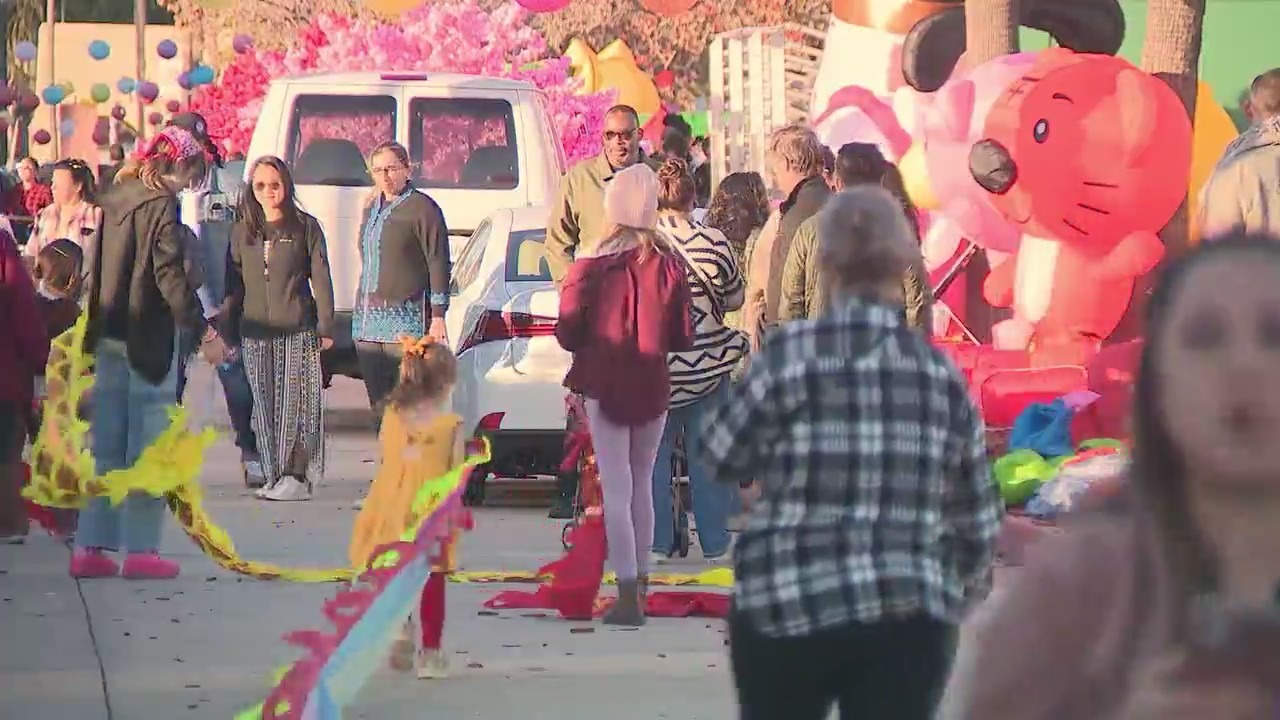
619 134
388 170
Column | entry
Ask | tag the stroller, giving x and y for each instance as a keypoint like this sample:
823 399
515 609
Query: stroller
581 457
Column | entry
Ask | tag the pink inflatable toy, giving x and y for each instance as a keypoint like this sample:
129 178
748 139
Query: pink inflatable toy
855 114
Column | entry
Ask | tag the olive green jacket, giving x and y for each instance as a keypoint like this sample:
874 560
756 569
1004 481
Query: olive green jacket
802 295
578 211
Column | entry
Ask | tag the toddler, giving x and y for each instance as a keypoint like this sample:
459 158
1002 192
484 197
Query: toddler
420 439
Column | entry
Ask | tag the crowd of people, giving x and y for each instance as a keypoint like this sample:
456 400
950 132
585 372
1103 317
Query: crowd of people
786 350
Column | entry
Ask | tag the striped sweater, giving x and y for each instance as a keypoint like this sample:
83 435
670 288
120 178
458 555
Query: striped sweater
716 348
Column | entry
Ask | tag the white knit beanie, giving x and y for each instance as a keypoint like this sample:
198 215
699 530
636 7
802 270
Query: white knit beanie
631 198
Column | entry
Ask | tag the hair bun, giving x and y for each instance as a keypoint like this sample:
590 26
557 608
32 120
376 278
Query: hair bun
673 168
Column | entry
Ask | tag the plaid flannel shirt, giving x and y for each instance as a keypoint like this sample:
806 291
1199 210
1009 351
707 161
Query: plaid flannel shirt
877 501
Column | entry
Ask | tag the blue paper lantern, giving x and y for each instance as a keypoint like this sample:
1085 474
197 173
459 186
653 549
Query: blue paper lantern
99 49
201 75
126 85
53 95
167 49
67 128
25 51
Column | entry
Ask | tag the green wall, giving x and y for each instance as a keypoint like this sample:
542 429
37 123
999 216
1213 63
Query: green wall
1239 43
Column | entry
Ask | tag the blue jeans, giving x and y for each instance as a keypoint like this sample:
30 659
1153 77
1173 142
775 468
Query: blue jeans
235 387
711 500
128 414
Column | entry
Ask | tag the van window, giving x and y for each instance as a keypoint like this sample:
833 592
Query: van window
463 143
330 136
468 264
527 257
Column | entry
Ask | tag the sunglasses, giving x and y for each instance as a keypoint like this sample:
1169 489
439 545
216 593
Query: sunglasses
619 134
260 186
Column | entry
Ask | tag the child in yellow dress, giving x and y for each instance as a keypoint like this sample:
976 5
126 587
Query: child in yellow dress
420 440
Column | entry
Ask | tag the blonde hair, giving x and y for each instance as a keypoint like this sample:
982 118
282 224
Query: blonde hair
153 169
623 237
798 148
864 240
676 189
427 373
388 146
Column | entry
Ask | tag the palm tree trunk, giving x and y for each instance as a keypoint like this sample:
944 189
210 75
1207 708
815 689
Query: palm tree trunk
991 29
1172 53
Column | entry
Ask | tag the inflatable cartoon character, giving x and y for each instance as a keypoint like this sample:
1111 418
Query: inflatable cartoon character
1090 156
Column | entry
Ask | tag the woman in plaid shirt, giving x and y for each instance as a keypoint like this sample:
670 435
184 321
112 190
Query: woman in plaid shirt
878 516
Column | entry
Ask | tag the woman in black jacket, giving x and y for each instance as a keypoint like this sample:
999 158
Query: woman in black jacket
281 309
139 296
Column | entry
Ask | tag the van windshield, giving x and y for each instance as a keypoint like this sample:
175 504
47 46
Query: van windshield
466 143
331 135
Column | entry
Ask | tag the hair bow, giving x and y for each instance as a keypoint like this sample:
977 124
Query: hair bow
416 346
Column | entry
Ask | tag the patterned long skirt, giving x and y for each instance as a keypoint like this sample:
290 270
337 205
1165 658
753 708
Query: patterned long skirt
288 408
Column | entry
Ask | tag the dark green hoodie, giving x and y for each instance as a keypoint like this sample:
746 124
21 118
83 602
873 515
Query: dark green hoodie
138 287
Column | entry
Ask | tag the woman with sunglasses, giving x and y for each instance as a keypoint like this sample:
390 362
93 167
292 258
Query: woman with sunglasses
280 308
72 215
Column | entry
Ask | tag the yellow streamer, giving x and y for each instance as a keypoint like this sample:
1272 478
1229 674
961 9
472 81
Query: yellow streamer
62 471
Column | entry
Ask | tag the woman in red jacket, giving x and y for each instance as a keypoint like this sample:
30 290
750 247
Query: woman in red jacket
623 306
24 349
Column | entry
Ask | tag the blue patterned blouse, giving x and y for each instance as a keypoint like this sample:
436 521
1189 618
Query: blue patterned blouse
376 320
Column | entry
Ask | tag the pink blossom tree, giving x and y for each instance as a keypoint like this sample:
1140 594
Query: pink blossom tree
456 37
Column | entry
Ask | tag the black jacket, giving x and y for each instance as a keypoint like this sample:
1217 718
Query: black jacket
413 252
138 286
294 293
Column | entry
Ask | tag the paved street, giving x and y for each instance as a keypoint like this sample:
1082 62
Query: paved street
202 646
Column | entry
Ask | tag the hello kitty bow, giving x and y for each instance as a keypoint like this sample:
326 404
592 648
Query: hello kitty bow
173 142
416 346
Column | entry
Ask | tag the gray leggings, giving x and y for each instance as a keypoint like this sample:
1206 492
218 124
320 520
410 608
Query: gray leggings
625 456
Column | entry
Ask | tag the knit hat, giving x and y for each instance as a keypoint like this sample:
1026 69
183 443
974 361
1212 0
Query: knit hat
631 198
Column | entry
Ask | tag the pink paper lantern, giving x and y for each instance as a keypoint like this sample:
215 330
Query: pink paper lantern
41 137
543 6
155 118
668 8
173 106
118 112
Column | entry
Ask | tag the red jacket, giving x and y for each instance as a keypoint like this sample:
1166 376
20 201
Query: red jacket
620 316
24 344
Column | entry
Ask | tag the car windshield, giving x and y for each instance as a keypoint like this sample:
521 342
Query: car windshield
331 135
527 257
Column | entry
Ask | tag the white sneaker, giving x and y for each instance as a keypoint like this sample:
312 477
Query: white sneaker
287 489
657 558
432 664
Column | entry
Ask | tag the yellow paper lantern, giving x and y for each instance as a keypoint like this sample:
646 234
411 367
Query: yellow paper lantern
392 8
1213 130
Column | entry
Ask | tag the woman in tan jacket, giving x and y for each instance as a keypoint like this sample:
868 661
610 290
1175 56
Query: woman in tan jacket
1164 604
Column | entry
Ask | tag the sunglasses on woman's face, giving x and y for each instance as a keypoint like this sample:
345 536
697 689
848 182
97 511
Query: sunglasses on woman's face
260 186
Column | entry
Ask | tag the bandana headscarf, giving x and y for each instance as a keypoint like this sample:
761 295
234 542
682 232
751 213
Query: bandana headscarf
177 145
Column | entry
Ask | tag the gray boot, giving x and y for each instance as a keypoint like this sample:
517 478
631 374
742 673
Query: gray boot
627 610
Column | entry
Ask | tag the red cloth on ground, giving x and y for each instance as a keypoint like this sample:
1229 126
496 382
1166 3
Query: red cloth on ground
431 611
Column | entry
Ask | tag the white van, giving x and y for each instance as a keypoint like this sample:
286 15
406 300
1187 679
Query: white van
476 144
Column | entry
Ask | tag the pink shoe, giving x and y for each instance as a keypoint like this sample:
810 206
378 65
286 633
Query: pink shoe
91 563
148 566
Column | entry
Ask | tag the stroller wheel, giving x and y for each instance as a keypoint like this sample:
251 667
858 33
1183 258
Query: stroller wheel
564 535
683 541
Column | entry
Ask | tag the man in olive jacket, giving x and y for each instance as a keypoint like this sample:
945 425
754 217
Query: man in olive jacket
578 212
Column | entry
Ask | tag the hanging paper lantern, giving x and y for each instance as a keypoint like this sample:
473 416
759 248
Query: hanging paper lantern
100 92
101 136
669 8
202 75
67 128
173 106
543 6
664 79
118 112
68 88
41 137
99 49
155 118
167 49
53 95
25 51
148 91
6 95
184 80
242 44
392 8
126 85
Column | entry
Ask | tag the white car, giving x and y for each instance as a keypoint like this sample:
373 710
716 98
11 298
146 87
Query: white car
502 322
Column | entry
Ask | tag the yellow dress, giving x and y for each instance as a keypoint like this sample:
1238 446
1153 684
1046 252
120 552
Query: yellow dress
411 455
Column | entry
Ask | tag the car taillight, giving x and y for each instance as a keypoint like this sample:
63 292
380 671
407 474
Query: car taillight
493 326
490 422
